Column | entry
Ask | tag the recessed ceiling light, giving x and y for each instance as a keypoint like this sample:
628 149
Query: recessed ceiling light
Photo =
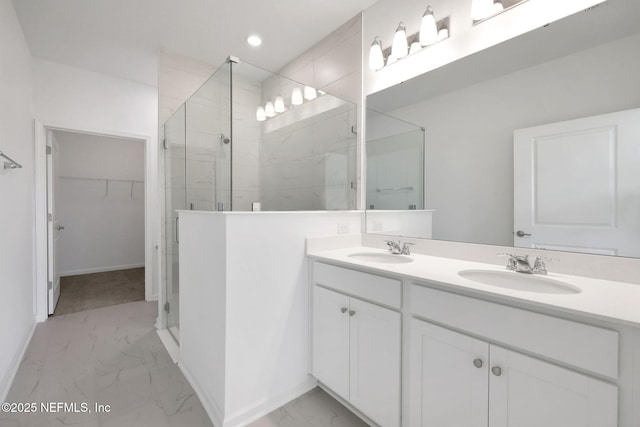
254 40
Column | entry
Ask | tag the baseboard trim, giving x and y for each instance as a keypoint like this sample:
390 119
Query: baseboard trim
347 405
170 344
15 364
100 269
209 405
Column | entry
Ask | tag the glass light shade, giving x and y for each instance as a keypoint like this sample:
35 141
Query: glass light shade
376 59
278 104
400 46
310 93
443 34
261 116
296 96
415 47
269 110
428 28
391 59
480 9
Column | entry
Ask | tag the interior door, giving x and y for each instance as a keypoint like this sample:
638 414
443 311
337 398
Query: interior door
449 381
53 224
527 392
576 185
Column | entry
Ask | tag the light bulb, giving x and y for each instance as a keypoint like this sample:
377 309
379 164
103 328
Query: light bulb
400 47
310 93
415 47
260 114
497 7
376 59
296 96
443 34
480 9
428 28
391 59
278 104
269 110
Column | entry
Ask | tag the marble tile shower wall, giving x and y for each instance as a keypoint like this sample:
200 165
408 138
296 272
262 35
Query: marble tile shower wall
310 165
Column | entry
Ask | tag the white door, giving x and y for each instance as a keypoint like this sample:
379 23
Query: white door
331 340
375 362
576 185
527 392
449 378
53 225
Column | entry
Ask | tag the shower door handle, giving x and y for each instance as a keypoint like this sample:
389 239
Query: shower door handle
177 230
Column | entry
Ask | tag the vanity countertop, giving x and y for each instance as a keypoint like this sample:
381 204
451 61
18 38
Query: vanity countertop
600 299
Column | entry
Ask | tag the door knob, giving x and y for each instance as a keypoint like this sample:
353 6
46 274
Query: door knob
477 363
521 233
496 370
60 228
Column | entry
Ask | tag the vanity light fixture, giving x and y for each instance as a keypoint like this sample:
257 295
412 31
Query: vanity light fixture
296 96
261 116
376 59
278 104
431 32
428 28
269 109
481 10
400 46
310 93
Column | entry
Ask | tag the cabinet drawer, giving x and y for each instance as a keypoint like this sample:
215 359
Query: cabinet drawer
584 346
368 286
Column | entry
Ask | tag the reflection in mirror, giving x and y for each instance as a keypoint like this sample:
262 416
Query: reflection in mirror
395 177
566 96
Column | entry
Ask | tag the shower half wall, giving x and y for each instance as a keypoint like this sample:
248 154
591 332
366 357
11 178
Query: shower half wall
225 150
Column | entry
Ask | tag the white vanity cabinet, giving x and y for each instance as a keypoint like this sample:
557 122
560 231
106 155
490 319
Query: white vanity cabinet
458 380
356 343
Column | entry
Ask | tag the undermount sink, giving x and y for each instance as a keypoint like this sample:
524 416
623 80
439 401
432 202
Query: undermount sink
519 281
380 258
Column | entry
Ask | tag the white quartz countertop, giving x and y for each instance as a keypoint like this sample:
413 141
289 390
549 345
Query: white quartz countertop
601 299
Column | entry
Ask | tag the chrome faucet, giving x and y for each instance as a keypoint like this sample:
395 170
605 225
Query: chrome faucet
394 247
522 264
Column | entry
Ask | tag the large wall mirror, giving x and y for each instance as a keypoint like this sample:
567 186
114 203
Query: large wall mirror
532 143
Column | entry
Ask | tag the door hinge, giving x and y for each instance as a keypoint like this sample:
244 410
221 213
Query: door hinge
164 143
48 149
49 217
50 285
166 307
354 130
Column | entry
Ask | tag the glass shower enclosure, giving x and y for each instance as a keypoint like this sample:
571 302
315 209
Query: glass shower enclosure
250 140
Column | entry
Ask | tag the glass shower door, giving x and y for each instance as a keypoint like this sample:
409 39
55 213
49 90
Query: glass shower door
209 145
175 199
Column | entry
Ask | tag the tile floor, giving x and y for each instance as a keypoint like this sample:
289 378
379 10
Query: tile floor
113 356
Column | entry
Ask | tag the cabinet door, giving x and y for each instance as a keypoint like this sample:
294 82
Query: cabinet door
527 392
331 340
448 378
375 362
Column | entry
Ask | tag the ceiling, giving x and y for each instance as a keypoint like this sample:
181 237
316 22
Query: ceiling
122 37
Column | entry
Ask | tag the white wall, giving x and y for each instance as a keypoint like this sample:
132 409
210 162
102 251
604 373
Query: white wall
16 196
71 98
474 161
250 331
103 231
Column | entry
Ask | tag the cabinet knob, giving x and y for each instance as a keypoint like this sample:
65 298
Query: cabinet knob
496 370
352 313
343 309
477 363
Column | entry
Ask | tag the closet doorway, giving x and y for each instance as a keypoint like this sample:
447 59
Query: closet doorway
96 220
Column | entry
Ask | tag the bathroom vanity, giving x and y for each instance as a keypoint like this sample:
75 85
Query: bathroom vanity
426 341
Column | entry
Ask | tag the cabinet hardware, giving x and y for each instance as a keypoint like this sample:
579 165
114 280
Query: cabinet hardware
496 371
343 309
352 313
477 363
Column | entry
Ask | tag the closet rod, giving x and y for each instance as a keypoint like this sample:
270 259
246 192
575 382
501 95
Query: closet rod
11 164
